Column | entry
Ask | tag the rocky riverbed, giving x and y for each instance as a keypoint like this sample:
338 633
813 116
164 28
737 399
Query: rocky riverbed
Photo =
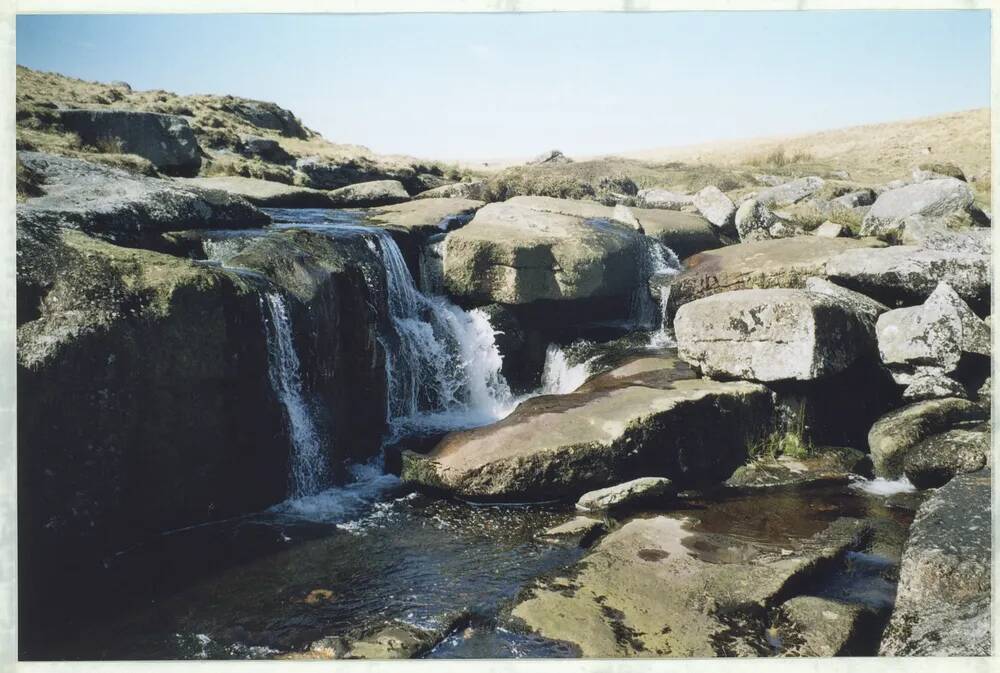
325 407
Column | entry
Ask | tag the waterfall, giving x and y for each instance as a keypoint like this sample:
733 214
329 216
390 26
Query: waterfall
432 265
308 461
558 375
657 263
663 337
443 365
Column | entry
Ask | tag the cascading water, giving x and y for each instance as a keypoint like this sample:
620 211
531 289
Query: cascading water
657 263
559 376
443 363
308 462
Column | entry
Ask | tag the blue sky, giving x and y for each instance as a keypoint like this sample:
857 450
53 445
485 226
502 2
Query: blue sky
494 85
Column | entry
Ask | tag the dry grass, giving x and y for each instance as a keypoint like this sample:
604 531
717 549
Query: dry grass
871 153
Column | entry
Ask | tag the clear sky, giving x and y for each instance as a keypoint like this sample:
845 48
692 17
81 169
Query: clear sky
496 85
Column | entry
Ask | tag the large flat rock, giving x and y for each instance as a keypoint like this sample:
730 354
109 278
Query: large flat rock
943 598
426 216
780 263
649 417
684 233
645 591
771 335
264 193
906 275
512 254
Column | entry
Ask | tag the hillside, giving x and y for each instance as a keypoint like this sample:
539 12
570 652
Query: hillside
871 153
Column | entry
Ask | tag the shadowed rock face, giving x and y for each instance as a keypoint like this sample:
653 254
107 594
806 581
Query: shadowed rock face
165 140
943 599
906 275
648 417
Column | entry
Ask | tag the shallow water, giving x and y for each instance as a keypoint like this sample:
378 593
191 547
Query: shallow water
362 555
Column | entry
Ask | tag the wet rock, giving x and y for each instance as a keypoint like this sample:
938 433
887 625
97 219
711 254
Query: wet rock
425 217
511 253
831 230
770 335
167 141
943 599
264 193
394 640
715 207
754 221
936 460
144 403
648 417
908 275
369 194
894 435
124 208
822 465
943 333
790 192
602 604
475 189
627 495
662 198
947 197
584 527
783 263
829 628
685 234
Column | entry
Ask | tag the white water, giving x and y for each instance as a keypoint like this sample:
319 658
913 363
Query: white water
308 461
443 365
559 376
881 486
342 503
656 262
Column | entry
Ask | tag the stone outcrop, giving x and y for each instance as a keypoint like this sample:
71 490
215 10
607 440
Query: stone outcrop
514 254
946 198
771 335
167 141
944 595
754 221
936 460
906 275
715 207
942 334
475 189
896 434
627 495
369 194
124 208
784 263
648 417
662 198
264 193
789 193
